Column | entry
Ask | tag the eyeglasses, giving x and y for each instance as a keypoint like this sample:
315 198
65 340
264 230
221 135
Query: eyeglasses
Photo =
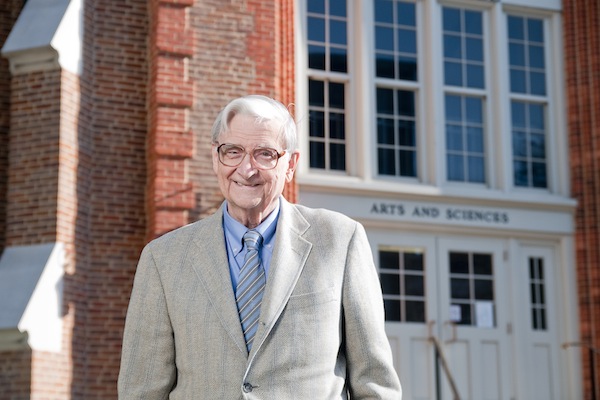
232 155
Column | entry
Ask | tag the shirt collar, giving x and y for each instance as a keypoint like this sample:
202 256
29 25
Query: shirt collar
234 230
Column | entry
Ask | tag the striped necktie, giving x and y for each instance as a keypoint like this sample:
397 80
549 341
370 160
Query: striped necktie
250 287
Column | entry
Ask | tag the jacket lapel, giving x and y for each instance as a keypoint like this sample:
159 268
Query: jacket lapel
289 257
208 258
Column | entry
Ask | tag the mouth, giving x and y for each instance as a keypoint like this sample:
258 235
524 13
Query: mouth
245 184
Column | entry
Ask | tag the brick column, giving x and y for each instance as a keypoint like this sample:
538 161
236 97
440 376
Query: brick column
582 61
170 140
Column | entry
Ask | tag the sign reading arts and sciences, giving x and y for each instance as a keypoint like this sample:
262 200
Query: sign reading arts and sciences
365 208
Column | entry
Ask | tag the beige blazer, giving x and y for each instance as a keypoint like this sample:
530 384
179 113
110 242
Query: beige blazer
321 333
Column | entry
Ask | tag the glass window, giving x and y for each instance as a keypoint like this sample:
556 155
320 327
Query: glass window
396 133
528 105
471 286
465 156
402 276
463 48
327 43
395 40
537 288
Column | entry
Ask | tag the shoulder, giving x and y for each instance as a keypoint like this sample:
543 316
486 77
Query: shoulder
327 221
180 238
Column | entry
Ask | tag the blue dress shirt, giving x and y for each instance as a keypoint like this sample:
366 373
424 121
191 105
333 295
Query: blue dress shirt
234 233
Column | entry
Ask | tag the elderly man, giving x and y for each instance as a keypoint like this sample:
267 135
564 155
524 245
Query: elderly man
264 299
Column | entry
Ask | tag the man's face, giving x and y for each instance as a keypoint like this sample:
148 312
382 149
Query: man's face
252 193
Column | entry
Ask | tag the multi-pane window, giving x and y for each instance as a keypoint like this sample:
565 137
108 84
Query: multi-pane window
327 40
526 45
395 40
538 294
396 60
402 277
396 133
389 85
472 289
464 79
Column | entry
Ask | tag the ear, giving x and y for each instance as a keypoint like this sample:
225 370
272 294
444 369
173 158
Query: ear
292 164
215 158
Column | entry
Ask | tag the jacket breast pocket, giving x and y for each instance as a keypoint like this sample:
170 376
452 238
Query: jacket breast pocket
312 299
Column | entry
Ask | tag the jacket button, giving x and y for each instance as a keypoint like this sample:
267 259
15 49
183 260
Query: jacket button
247 387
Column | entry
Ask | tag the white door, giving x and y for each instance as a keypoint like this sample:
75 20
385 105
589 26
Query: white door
538 353
474 301
457 291
406 264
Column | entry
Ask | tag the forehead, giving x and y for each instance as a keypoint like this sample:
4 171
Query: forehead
247 131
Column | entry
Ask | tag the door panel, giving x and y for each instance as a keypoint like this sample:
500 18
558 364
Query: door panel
474 294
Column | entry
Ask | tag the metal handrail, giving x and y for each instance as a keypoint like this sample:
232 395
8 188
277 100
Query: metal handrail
440 354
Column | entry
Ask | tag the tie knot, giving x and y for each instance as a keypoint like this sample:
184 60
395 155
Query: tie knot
252 239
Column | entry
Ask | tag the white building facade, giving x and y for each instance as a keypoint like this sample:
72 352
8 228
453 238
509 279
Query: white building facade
440 125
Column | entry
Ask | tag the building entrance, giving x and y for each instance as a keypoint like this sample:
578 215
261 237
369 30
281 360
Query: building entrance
470 318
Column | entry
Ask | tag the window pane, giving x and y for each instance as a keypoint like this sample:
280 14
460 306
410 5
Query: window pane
385 131
476 169
316 91
384 11
407 41
316 6
407 68
406 133
408 163
406 103
317 155
384 64
386 161
475 78
316 57
451 19
415 311
390 283
337 126
452 46
454 137
459 288
459 263
482 264
484 289
453 74
316 29
317 124
337 32
339 61
406 13
474 49
384 38
414 285
392 310
389 259
336 95
473 24
385 101
475 140
413 261
515 28
338 156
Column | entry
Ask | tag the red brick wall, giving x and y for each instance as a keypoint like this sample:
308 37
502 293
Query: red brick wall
582 55
9 11
105 161
241 48
111 176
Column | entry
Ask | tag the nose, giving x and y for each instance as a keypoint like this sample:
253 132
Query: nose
247 167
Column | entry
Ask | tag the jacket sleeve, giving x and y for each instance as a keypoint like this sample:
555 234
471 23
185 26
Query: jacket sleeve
371 374
148 369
